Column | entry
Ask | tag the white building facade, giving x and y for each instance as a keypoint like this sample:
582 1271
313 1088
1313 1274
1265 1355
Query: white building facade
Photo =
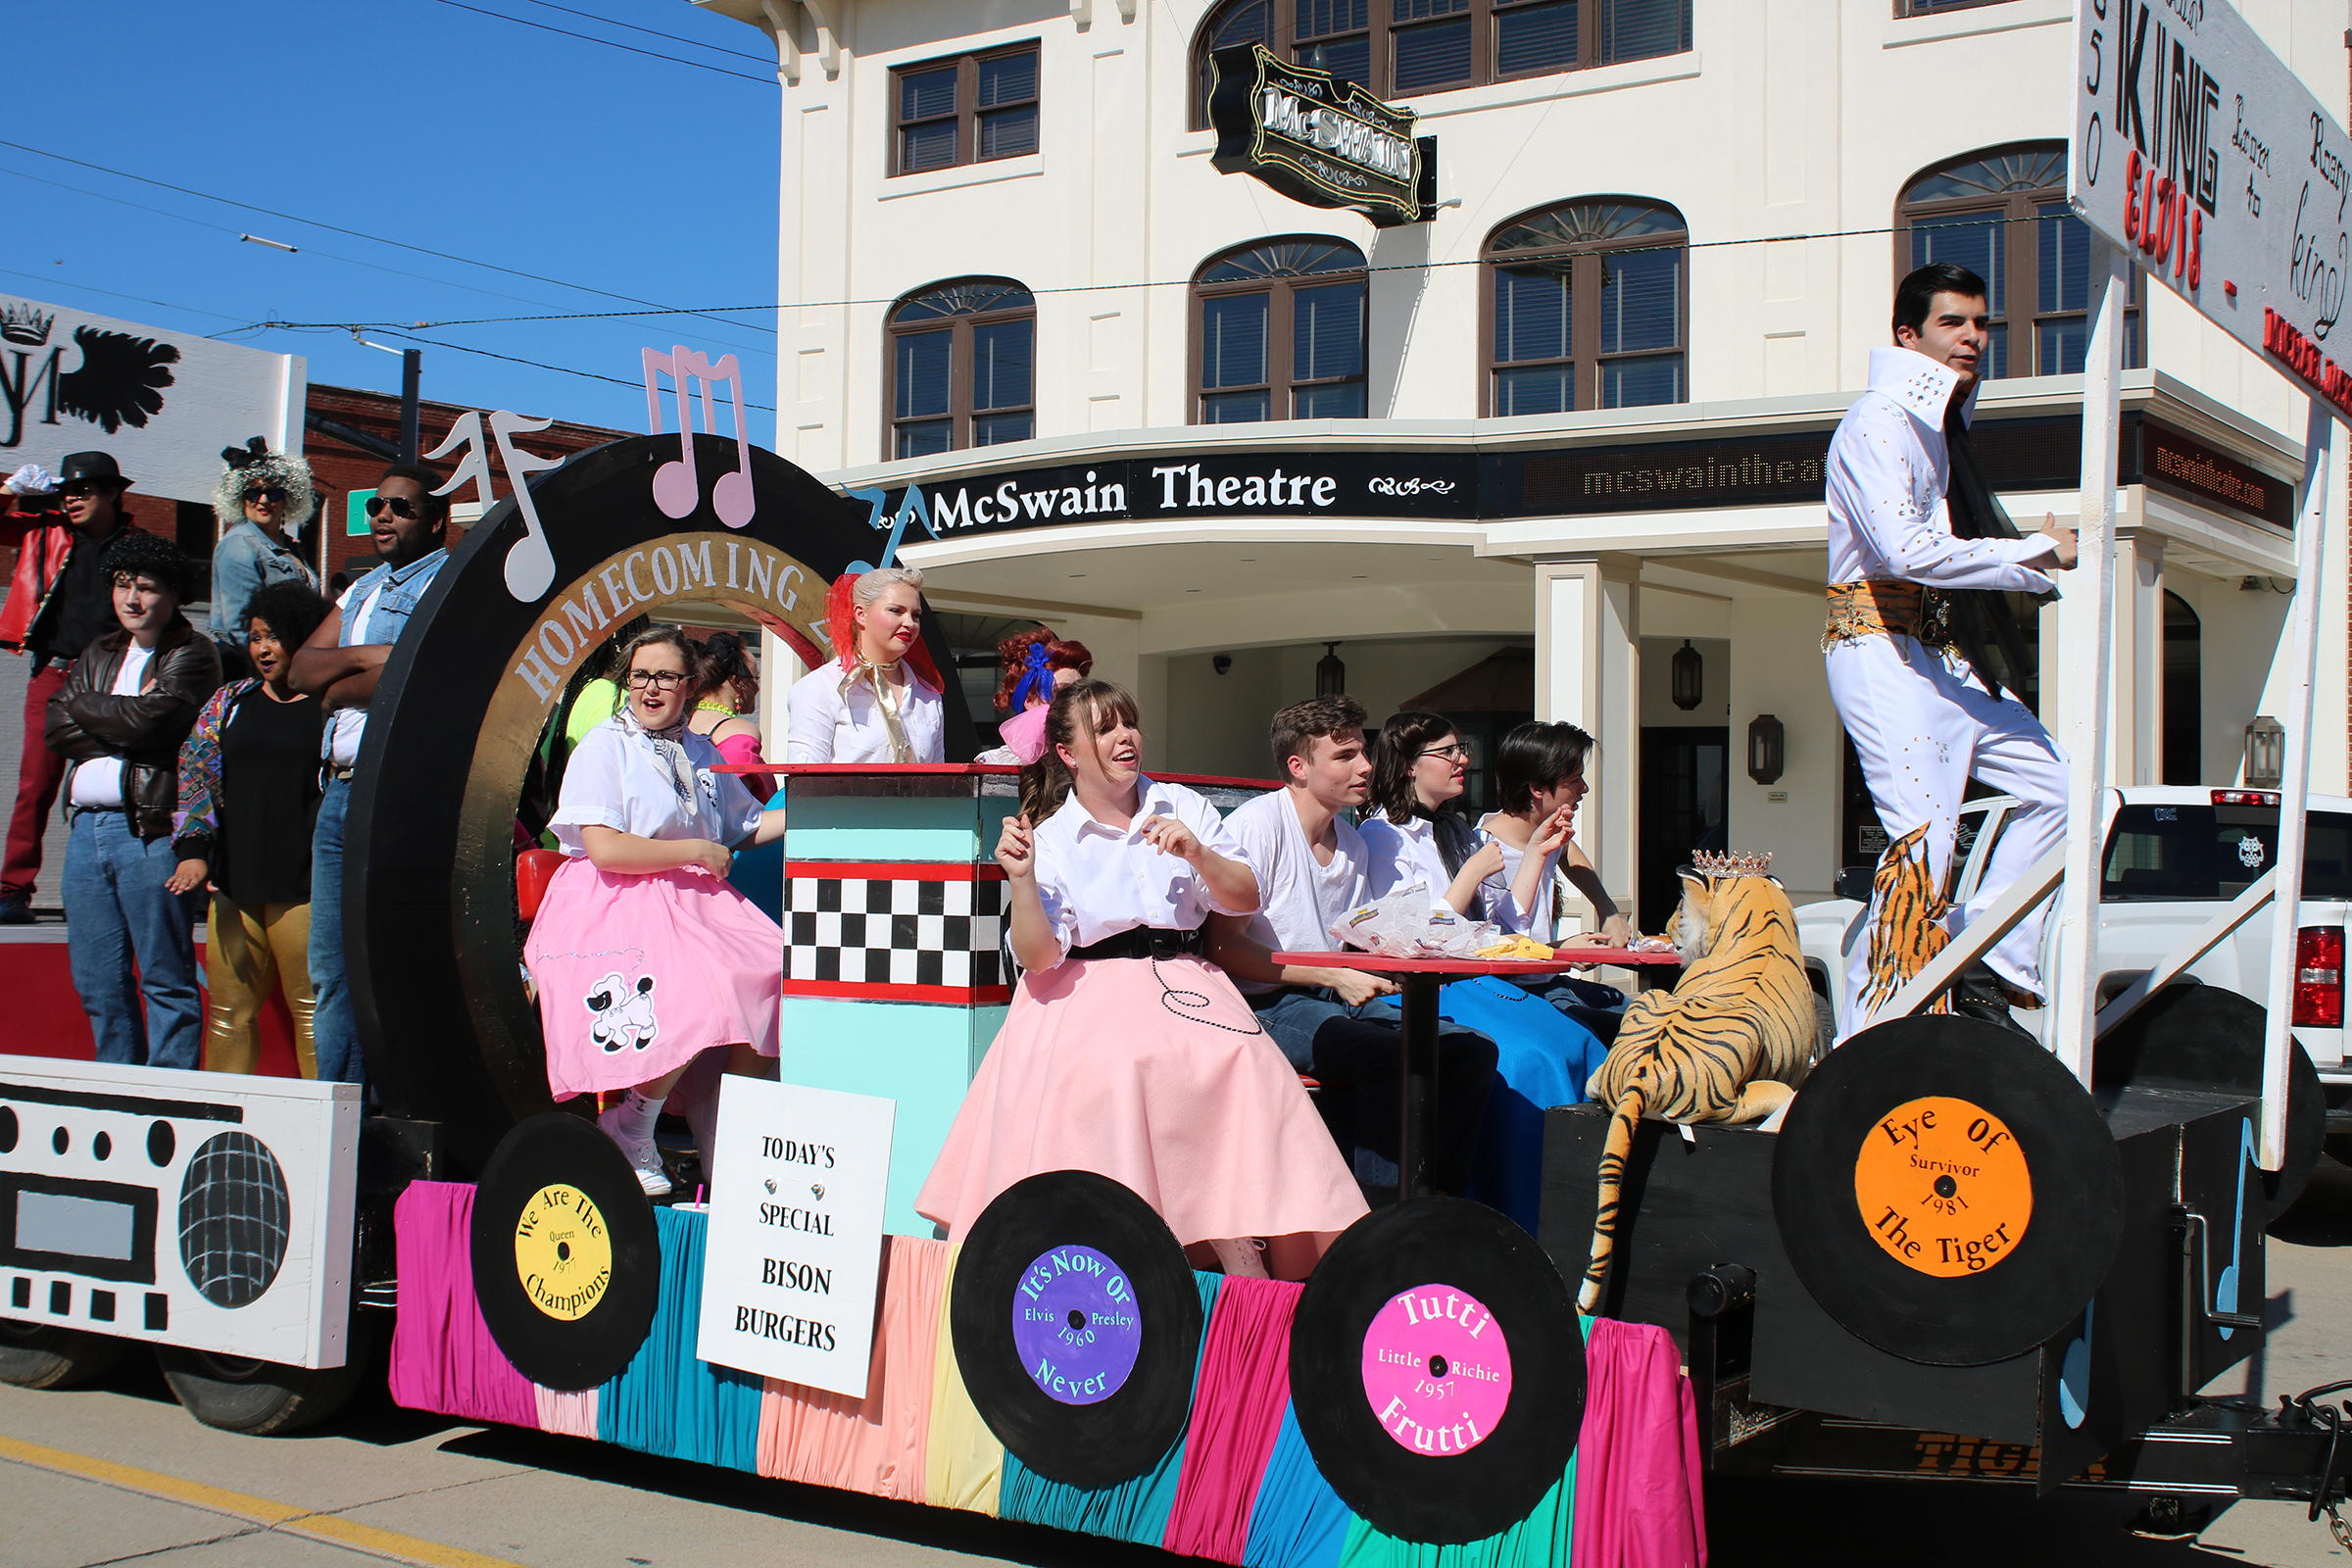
1529 448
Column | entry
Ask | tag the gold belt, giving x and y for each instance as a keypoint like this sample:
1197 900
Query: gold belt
1876 608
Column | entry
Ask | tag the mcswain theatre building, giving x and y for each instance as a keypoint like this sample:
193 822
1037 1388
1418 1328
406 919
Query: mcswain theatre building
1513 457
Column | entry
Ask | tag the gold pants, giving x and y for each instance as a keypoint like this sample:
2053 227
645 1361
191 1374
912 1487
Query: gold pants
252 951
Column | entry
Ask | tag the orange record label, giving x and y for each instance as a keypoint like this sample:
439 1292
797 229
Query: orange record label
1943 1187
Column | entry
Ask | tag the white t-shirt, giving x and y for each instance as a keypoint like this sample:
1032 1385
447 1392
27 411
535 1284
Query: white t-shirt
98 782
615 780
345 726
1299 897
1537 922
1403 853
828 727
1096 880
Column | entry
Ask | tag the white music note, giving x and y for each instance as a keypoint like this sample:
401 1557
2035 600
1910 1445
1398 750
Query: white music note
676 489
530 561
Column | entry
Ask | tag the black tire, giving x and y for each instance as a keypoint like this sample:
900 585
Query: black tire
262 1398
33 1355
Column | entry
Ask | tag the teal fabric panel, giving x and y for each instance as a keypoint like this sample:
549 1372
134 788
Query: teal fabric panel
665 1400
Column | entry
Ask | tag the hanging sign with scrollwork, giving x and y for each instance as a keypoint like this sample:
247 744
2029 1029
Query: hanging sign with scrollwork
1318 139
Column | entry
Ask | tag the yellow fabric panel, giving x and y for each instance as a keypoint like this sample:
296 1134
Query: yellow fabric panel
963 1462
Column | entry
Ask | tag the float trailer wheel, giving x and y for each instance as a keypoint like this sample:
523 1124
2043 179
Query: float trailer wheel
35 1355
263 1399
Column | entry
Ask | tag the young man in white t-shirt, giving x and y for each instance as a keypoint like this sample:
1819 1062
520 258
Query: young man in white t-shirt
1336 1025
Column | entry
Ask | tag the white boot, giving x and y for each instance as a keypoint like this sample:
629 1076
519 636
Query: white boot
644 1157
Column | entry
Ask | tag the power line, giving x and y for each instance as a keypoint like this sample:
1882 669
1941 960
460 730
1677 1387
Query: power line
422 249
86 288
627 48
536 364
655 32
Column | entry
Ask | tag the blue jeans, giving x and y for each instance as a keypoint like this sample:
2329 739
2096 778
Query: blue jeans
118 911
338 1041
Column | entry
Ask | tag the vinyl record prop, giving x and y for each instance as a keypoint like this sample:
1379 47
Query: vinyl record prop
2198 1037
1947 1192
1077 1326
1437 1370
566 1260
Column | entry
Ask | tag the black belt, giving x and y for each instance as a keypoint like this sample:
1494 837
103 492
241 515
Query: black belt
1141 942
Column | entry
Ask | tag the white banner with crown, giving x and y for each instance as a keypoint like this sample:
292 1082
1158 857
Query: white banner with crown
163 403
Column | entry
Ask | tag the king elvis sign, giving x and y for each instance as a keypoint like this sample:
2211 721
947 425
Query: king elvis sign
2194 146
1318 139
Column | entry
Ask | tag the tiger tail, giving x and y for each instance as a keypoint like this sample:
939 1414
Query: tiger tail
1615 1150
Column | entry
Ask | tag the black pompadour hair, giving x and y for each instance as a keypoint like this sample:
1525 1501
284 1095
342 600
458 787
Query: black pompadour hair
1916 294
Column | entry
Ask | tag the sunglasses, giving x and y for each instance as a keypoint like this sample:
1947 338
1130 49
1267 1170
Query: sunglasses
401 505
661 680
266 492
81 487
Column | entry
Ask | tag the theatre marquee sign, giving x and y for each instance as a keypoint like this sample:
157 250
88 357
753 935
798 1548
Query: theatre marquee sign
1317 139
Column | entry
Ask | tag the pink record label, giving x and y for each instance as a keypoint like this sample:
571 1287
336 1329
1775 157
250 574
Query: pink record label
1437 1371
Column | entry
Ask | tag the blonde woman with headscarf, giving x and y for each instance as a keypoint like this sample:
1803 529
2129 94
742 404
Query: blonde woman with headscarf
878 700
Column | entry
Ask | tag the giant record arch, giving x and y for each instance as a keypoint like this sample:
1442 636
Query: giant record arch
429 916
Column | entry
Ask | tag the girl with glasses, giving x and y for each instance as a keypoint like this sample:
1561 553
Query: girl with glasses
261 496
643 957
1419 766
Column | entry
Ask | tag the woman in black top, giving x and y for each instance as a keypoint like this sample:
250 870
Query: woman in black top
248 796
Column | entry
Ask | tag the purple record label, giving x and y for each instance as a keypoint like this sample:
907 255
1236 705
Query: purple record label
1076 1325
1437 1371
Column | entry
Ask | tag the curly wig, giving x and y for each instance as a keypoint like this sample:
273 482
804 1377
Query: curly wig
144 555
1014 656
269 467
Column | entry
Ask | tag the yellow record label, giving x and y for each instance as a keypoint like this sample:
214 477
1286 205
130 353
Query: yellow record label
1944 1188
562 1253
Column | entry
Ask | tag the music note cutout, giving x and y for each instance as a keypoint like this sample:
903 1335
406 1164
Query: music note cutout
530 561
677 489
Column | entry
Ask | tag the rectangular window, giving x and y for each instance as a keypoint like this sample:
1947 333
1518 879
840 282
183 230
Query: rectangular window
971 109
1233 341
1532 38
1536 390
925 372
1644 30
1979 242
1436 54
1533 313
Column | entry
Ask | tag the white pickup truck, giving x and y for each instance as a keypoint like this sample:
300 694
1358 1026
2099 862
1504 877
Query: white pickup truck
2171 857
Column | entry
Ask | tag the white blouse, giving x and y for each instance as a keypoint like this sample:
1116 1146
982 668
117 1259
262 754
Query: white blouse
829 727
1096 880
615 780
1403 853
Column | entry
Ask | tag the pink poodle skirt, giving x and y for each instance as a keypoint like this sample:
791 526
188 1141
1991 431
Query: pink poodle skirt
1162 1081
637 973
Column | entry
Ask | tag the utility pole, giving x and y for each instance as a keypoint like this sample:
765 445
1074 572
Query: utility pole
412 369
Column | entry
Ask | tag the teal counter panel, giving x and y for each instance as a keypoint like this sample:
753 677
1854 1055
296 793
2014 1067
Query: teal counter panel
920 1056
850 828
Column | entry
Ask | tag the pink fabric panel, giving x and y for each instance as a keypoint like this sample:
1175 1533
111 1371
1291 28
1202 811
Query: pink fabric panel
572 1414
443 1359
1638 1479
1245 1385
875 1445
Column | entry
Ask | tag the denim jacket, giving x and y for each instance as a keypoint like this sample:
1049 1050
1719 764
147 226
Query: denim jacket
246 561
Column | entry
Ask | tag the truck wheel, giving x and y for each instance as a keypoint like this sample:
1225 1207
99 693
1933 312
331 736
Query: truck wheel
35 1355
262 1398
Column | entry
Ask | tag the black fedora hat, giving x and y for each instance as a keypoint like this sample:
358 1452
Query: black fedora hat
87 466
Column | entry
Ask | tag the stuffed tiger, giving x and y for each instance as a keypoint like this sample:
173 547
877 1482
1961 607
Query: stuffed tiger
1726 1045
1909 929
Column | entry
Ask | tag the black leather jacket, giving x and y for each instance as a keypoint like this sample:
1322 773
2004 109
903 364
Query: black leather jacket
87 722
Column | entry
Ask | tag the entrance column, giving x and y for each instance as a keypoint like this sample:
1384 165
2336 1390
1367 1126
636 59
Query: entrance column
1589 673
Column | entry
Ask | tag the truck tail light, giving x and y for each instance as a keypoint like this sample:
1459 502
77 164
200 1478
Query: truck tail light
2245 796
2320 977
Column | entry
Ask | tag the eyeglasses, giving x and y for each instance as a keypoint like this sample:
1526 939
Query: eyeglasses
660 680
402 506
266 492
1456 753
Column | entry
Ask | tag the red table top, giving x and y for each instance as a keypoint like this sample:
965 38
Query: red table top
1561 959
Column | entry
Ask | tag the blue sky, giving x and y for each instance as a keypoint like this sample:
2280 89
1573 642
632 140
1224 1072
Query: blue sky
421 122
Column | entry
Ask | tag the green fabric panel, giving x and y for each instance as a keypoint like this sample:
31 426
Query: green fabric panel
1539 1541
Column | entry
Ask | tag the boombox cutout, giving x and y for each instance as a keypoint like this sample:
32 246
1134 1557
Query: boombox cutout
207 1210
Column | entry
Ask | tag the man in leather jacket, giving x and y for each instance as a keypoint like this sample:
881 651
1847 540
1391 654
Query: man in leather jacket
126 703
56 602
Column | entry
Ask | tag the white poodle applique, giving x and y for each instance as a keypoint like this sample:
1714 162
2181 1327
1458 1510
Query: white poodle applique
621 1015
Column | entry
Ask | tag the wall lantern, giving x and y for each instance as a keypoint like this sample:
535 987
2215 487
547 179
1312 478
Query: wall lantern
2266 752
1767 749
1331 676
1689 672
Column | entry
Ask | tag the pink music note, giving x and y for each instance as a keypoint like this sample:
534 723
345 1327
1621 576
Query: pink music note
677 490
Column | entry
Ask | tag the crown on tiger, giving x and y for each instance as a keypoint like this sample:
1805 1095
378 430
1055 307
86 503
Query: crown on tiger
25 324
1707 863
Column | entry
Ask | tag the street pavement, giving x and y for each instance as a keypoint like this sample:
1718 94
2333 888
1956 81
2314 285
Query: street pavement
118 1473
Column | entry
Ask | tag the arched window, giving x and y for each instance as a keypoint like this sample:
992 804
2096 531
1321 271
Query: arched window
962 359
1278 332
1398 48
1584 308
2003 216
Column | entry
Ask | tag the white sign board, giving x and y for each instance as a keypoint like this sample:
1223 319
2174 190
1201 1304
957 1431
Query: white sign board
793 1267
163 403
2195 149
207 1210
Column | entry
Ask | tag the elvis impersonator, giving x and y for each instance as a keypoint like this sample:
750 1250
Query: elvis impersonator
1920 555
